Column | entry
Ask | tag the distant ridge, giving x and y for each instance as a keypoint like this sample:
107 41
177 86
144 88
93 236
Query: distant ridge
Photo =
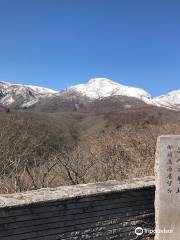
25 96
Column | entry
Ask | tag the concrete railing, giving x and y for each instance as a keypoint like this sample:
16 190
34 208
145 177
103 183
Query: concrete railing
109 210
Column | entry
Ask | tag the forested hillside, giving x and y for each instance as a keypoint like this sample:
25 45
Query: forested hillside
42 149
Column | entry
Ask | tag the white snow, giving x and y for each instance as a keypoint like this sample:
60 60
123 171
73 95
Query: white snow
41 90
30 103
28 94
8 100
35 88
169 100
103 87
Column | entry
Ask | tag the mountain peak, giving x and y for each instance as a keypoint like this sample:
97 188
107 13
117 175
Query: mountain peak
104 87
100 80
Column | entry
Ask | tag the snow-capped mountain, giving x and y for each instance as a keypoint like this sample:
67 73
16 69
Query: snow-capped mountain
21 95
170 100
25 96
103 87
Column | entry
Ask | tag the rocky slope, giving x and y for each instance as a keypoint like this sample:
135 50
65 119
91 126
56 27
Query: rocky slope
21 96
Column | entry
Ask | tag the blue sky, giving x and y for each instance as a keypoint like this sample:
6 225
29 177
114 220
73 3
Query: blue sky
57 43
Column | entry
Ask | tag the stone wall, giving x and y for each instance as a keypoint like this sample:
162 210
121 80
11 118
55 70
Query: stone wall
110 210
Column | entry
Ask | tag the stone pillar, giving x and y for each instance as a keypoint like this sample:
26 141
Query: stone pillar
167 199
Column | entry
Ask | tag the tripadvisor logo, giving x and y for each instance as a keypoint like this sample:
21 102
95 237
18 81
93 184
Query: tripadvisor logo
139 231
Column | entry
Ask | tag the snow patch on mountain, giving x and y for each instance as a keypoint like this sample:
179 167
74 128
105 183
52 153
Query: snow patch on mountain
22 95
40 90
169 100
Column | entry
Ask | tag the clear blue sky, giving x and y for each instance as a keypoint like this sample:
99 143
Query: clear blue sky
57 43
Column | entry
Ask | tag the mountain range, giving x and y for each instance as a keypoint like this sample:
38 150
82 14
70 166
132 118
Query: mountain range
96 131
20 96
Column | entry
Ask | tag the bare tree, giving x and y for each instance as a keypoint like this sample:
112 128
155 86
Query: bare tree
75 164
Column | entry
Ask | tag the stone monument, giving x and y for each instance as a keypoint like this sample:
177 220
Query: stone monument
167 200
